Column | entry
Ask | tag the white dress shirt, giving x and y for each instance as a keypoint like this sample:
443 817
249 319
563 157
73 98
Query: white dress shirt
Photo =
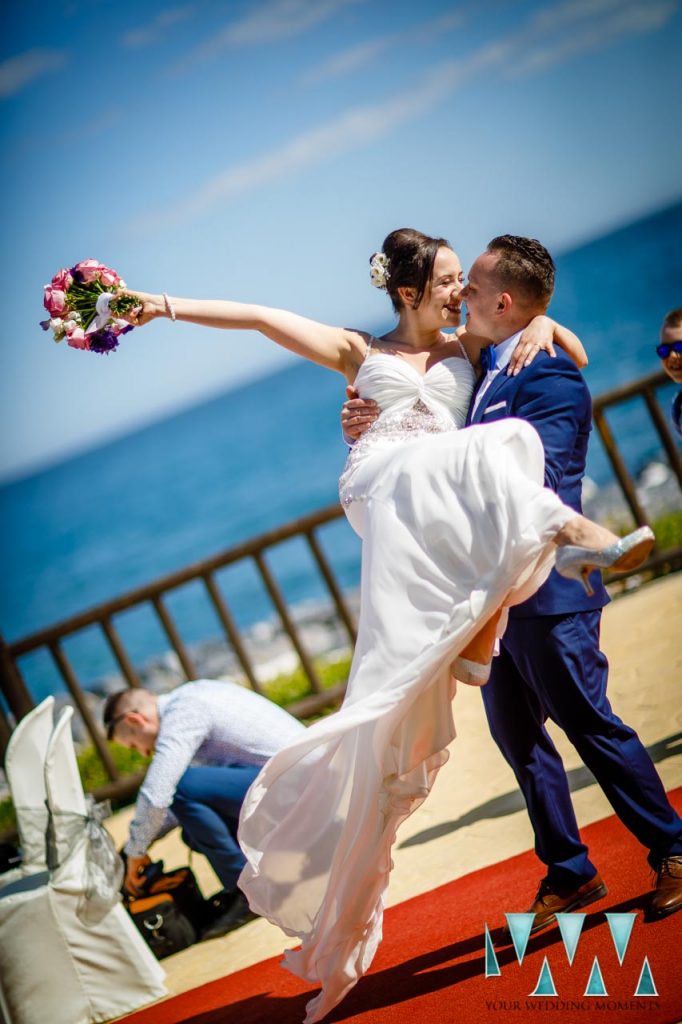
207 722
503 353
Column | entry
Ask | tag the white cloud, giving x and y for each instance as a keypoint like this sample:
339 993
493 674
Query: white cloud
265 23
348 60
622 20
528 51
439 26
554 18
281 19
350 130
18 72
268 22
642 17
354 57
151 33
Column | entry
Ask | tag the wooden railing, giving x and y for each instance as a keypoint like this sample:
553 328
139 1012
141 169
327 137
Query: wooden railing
153 594
20 700
644 388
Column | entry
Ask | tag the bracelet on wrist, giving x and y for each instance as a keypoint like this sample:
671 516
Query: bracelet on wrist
170 308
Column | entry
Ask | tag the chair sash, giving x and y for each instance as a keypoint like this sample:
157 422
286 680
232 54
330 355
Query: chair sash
82 842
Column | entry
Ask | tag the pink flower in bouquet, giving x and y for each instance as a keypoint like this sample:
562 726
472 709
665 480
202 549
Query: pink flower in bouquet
54 301
77 338
62 280
109 277
90 269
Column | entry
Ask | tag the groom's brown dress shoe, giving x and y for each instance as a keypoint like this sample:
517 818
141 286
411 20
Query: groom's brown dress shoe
552 899
667 896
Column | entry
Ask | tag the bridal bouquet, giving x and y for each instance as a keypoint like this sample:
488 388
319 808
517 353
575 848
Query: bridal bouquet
83 305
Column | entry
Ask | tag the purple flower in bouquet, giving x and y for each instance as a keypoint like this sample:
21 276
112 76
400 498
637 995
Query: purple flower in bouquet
84 303
105 340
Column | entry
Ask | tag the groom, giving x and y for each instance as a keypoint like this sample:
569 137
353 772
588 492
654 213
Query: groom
550 664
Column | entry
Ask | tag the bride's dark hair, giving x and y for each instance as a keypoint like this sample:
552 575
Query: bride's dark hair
410 262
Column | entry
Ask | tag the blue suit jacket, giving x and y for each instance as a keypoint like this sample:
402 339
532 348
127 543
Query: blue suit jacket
551 395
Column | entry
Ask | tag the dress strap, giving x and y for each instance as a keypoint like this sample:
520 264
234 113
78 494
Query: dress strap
369 346
463 351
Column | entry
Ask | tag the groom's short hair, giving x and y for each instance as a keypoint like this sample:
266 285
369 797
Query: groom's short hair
524 266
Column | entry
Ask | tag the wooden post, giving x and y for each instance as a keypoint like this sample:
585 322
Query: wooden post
13 686
79 700
287 621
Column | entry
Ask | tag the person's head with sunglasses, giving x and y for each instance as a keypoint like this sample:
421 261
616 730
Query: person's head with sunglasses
669 350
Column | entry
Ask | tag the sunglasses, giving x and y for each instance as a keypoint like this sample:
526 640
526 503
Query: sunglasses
666 347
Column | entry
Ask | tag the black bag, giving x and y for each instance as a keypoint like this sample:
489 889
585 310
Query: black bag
171 913
164 928
10 857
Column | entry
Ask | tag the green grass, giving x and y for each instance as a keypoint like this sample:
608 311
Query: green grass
293 686
93 772
668 530
8 818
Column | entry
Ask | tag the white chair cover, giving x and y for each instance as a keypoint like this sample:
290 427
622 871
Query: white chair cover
53 965
24 768
66 800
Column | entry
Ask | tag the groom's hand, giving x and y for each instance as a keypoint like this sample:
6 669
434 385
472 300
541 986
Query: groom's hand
357 414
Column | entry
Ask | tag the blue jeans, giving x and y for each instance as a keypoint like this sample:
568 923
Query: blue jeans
207 803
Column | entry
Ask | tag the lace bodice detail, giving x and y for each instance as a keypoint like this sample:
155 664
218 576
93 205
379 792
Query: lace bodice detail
411 403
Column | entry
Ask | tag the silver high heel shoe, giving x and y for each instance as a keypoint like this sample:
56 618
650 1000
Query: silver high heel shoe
627 553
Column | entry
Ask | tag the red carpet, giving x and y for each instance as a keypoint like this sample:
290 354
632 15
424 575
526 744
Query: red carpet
430 966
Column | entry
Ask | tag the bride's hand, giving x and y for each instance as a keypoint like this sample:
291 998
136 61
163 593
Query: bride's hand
538 336
151 306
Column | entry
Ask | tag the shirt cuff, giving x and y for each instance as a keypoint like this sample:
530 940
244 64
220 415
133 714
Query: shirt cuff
145 827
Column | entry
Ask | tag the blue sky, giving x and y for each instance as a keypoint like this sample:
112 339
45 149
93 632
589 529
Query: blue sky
262 150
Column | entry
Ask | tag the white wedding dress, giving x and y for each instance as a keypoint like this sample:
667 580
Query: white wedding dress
455 523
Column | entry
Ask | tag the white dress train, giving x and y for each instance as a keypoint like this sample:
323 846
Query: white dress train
455 524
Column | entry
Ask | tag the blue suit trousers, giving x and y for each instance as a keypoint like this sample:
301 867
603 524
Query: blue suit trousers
207 803
552 667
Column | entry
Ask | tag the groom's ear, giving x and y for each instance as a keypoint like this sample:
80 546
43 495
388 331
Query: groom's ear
504 302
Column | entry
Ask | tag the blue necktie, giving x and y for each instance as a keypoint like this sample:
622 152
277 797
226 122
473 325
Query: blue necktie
488 358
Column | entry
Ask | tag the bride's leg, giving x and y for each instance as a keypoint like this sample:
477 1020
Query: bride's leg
578 531
585 546
584 532
481 648
472 665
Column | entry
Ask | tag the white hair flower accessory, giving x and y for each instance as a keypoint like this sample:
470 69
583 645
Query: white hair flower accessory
378 270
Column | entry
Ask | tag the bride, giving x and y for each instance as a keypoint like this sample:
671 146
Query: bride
456 526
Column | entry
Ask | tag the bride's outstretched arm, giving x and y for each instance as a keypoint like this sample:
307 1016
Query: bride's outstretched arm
334 347
541 334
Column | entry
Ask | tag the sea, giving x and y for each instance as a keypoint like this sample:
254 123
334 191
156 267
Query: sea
97 525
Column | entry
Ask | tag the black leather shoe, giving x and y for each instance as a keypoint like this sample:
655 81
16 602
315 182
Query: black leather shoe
236 912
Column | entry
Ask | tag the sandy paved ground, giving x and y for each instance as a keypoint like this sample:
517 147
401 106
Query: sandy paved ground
474 815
